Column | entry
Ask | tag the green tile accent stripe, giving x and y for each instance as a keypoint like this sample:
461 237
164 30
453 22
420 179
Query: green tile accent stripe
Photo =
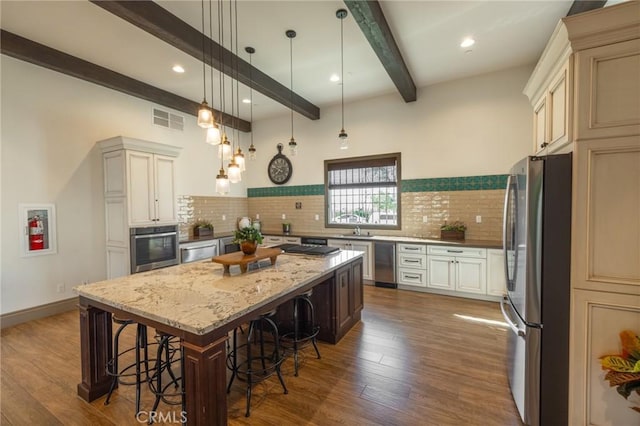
464 183
286 191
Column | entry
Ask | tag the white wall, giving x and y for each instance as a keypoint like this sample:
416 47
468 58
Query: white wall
50 123
475 126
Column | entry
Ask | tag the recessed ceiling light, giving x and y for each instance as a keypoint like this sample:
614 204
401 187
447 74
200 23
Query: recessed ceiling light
467 42
178 69
334 78
246 101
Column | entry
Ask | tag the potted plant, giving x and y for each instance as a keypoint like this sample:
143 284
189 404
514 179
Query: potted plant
248 238
452 231
286 228
202 228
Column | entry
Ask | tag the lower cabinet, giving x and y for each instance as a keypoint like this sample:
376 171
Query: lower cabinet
338 302
358 245
496 278
457 269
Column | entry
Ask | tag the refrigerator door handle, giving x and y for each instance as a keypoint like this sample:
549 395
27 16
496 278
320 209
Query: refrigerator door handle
512 325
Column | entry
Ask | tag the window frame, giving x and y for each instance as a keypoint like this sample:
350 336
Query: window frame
365 162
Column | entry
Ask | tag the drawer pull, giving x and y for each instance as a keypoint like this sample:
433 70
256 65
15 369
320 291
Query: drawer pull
455 251
412 248
412 277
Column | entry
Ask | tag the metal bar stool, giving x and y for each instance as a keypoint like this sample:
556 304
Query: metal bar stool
168 355
254 369
131 371
305 329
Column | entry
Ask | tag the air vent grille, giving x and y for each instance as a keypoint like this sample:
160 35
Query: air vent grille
166 119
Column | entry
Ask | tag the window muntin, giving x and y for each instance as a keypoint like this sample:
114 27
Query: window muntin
363 191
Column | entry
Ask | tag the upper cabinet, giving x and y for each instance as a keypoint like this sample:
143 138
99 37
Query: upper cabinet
550 92
586 82
142 175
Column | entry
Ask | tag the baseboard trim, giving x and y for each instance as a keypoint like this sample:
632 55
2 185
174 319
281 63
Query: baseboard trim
37 312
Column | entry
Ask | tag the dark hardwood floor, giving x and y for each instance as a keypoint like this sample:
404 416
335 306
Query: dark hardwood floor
414 359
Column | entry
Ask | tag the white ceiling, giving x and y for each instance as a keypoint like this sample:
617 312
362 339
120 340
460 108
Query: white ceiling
428 33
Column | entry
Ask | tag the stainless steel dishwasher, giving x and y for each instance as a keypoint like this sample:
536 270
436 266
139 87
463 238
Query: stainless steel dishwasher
198 250
385 264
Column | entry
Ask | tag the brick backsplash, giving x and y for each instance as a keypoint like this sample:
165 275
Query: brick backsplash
437 206
192 208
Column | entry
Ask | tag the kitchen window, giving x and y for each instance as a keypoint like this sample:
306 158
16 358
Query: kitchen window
363 192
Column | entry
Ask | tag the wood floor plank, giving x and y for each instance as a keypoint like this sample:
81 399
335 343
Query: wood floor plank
413 359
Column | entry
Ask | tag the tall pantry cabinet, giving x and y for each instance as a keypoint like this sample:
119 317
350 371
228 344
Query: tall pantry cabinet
596 55
139 190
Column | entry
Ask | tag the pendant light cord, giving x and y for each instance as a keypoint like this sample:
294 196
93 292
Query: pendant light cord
291 82
211 54
222 78
237 130
251 94
204 72
342 66
233 105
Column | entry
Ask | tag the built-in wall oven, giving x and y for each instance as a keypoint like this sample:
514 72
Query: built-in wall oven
153 247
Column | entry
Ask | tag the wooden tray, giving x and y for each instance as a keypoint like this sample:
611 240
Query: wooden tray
239 258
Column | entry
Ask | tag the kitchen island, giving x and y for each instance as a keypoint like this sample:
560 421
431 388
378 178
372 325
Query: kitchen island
200 305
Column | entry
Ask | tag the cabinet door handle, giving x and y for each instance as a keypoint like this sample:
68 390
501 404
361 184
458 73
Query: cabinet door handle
543 145
453 261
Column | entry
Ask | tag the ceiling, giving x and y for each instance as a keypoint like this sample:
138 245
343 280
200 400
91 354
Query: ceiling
428 34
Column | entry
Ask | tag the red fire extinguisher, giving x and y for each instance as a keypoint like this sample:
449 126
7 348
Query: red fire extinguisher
36 234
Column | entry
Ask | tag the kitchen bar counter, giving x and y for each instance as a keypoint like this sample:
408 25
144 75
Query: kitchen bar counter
197 303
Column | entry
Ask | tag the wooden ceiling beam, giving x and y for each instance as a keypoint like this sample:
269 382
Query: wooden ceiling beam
580 6
152 18
29 51
370 18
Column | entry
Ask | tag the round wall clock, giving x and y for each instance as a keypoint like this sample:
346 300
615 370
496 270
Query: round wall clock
279 168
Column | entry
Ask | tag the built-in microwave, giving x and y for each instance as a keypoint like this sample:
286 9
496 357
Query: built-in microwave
153 247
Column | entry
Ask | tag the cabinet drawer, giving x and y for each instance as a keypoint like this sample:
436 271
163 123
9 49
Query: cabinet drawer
291 240
412 277
412 248
415 261
458 251
272 239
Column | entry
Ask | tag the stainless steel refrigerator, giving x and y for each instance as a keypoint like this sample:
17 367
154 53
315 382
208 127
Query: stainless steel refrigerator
537 245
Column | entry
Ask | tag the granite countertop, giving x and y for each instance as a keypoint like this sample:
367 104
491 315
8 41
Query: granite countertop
394 238
197 298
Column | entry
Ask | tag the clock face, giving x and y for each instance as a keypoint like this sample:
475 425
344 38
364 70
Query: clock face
280 169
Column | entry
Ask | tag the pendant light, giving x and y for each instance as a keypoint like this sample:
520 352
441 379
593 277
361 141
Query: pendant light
213 132
238 155
233 169
252 149
205 117
293 146
342 135
222 180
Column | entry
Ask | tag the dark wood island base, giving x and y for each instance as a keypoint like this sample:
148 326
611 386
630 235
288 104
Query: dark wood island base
338 300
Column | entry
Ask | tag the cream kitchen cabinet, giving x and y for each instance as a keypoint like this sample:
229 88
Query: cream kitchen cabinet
457 269
357 245
496 278
139 182
151 189
411 265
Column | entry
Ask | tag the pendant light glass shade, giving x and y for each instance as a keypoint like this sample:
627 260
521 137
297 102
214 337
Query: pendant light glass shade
224 149
235 175
293 147
222 183
252 151
205 117
238 157
213 135
343 140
